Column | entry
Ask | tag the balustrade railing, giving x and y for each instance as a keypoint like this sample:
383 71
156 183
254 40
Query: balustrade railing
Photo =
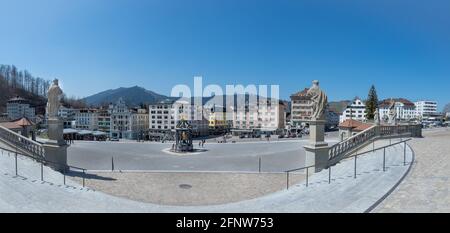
34 149
339 150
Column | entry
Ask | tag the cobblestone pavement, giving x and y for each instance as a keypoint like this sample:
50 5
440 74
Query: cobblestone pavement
426 188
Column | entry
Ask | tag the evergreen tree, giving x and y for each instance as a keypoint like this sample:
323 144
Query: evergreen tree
371 103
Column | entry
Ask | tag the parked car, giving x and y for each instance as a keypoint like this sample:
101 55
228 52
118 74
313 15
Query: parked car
114 139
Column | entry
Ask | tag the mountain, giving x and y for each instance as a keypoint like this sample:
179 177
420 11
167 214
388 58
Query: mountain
133 96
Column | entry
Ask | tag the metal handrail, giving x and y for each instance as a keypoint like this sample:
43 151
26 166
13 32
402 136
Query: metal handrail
43 161
327 164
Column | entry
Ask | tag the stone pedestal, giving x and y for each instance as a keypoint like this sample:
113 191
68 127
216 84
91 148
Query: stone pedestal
317 156
317 150
317 133
56 147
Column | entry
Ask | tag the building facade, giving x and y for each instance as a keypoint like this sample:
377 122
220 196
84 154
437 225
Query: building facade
120 120
218 122
265 117
86 119
139 123
425 109
104 121
356 111
406 110
17 108
165 115
68 117
301 108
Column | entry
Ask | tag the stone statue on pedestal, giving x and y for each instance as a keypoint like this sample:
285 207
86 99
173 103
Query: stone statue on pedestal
54 97
392 113
317 150
319 101
377 117
56 146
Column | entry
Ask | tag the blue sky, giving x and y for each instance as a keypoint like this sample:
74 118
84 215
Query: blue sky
403 47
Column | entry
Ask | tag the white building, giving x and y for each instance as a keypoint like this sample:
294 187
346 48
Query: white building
18 107
260 116
425 109
406 110
356 111
86 119
68 117
165 115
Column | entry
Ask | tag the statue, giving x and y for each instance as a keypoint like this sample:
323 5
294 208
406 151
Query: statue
54 96
56 146
392 113
319 101
377 116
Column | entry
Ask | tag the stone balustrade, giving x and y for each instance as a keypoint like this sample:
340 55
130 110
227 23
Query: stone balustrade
30 147
341 149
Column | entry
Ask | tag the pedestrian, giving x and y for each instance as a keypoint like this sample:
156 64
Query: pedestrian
199 143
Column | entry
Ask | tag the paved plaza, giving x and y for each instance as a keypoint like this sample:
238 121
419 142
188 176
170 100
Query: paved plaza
427 188
190 188
276 156
345 194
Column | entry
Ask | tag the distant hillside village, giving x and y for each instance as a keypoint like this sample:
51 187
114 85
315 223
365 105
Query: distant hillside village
157 119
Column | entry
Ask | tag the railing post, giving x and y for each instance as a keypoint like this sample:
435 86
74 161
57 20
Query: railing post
287 180
64 175
84 174
307 175
373 146
354 176
259 165
42 172
16 162
112 163
329 175
384 159
404 154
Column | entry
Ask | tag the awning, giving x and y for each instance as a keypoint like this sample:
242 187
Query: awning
85 132
70 131
99 133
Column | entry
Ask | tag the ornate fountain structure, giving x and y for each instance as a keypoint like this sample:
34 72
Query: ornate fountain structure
183 137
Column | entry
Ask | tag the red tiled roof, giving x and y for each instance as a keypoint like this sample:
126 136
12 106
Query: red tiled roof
362 127
355 125
23 122
350 123
301 93
10 125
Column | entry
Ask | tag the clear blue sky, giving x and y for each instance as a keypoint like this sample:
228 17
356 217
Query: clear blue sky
403 47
